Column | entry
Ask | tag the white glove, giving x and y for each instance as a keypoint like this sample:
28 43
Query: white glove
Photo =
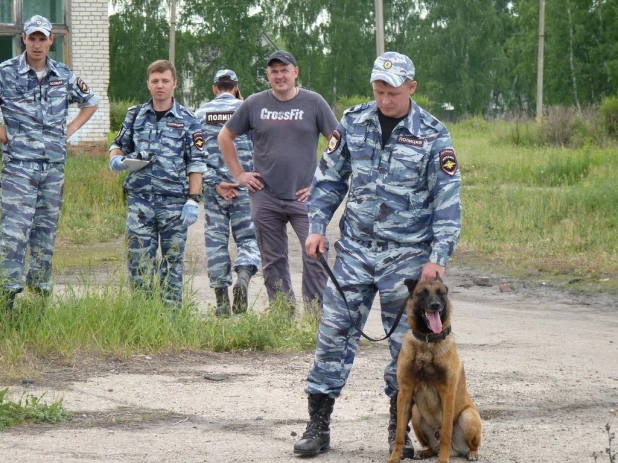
117 164
189 213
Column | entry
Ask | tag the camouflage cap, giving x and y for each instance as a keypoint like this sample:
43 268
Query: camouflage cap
392 68
38 24
226 75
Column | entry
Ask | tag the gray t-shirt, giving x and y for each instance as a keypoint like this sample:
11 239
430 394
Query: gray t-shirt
285 137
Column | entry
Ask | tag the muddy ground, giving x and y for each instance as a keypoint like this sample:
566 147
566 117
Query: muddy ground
541 364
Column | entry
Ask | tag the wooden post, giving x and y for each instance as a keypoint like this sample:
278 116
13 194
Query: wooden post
379 27
539 74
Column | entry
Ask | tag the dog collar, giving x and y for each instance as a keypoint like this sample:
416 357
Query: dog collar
432 338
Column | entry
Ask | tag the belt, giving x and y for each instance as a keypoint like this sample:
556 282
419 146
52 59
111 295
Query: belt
377 245
383 245
35 165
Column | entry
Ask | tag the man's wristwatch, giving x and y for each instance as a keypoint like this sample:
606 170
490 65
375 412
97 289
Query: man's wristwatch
195 198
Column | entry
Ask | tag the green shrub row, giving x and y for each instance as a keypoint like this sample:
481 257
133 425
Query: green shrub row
117 113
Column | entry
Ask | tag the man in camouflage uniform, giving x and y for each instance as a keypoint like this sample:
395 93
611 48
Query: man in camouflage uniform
402 220
225 202
35 93
163 195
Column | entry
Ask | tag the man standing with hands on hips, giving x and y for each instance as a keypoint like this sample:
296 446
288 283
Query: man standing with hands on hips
35 94
402 220
162 145
285 124
226 204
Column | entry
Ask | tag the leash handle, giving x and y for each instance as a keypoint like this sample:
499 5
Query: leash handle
355 324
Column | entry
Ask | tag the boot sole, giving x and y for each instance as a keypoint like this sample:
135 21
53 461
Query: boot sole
311 453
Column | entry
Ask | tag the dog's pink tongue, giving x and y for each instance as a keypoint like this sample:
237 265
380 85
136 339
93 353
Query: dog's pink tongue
434 321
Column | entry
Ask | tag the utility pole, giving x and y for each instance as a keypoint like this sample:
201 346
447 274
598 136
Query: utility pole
172 31
539 75
379 27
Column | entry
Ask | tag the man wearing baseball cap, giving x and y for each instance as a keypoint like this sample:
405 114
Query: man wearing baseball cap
35 94
226 203
397 165
285 123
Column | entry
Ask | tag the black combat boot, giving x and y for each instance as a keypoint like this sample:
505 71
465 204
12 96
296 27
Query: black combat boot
316 438
408 450
223 302
241 290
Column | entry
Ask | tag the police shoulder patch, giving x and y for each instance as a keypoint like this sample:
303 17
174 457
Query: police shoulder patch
82 85
448 161
334 142
198 140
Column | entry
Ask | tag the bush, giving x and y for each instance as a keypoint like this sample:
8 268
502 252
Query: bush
117 113
346 102
609 114
518 130
428 105
561 126
474 124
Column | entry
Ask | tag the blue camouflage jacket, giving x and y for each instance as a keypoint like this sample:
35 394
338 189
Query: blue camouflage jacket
213 116
35 113
406 192
175 146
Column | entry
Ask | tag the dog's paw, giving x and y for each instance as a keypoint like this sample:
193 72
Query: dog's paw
473 456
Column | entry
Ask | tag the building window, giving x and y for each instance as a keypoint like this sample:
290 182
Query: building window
7 12
13 14
51 9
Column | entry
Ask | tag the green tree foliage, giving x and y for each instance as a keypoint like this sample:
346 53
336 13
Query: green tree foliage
139 35
459 49
581 51
223 35
478 55
333 42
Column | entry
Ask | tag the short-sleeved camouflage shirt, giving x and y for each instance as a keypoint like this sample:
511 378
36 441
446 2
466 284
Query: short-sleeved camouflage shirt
35 112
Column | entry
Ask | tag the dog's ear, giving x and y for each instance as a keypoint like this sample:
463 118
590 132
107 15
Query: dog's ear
411 284
438 277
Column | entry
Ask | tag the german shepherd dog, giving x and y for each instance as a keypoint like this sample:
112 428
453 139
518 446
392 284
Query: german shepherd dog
432 382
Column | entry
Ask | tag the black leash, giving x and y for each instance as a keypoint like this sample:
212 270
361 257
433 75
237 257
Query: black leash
336 283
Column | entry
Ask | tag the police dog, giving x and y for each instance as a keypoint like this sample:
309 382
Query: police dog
432 382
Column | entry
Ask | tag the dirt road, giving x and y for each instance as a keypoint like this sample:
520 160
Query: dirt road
541 365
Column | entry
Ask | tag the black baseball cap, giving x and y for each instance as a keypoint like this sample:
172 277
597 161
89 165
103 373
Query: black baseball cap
283 56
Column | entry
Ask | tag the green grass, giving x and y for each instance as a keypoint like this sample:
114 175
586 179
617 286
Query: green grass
29 409
543 211
94 208
113 319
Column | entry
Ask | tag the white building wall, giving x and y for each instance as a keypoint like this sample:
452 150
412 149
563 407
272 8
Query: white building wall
89 50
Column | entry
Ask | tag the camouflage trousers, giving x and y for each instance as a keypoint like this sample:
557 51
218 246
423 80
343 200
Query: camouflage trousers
150 219
31 201
221 215
362 270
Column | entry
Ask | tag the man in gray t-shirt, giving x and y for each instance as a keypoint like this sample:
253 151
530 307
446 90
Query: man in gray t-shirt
285 123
